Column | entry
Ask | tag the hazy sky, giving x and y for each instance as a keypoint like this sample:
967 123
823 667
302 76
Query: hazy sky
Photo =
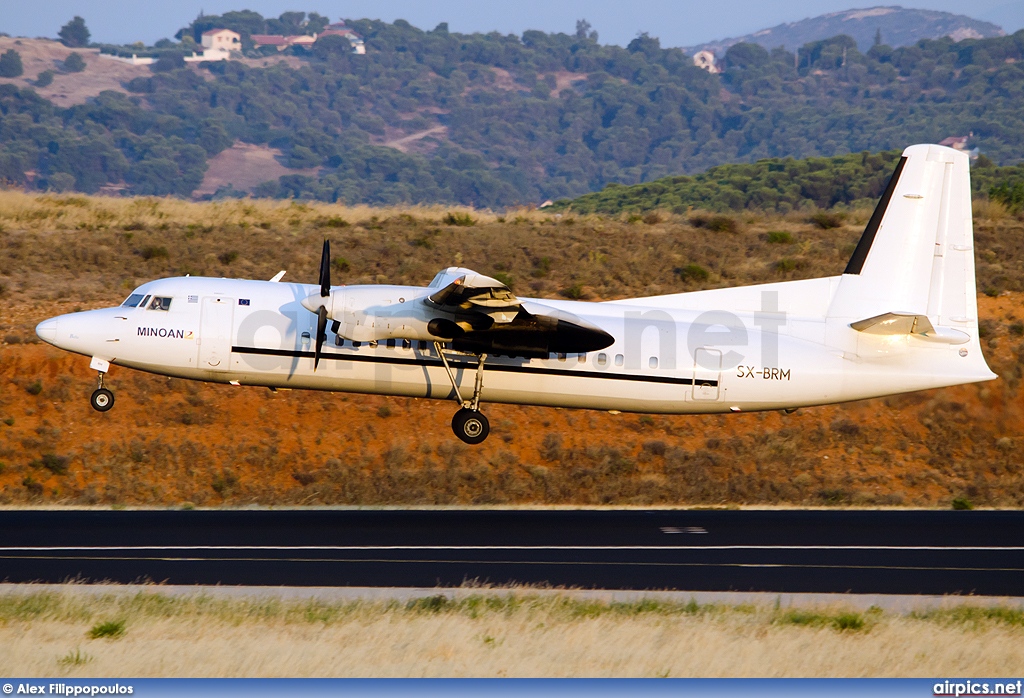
675 22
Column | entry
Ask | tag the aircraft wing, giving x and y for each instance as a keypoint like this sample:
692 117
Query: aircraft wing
488 317
477 293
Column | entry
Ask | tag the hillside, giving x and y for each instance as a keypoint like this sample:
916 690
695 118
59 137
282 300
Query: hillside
497 121
169 441
897 26
785 184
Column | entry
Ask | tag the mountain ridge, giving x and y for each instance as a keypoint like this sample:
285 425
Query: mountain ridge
899 26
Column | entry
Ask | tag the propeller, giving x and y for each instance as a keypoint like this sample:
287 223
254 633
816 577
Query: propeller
325 292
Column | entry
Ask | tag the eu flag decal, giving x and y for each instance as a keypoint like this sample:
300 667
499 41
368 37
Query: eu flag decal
243 301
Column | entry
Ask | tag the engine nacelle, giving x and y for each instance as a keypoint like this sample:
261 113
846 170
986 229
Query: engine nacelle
374 313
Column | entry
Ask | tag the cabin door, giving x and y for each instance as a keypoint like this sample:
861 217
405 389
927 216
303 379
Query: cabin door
215 334
707 373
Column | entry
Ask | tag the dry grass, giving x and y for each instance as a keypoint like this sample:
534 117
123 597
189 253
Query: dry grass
47 634
160 445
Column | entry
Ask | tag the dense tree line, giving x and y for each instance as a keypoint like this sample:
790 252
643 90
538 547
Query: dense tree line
528 118
785 184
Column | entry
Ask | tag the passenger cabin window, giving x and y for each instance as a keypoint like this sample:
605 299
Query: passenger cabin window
391 344
159 303
132 301
619 359
602 359
653 362
406 344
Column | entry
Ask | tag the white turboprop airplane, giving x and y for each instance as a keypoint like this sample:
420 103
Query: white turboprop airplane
901 317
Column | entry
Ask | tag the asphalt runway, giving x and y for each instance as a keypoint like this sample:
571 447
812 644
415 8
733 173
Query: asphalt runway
785 551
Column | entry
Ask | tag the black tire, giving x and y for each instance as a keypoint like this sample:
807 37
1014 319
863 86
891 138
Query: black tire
102 400
471 426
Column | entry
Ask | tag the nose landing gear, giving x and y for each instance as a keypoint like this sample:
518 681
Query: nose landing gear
102 399
469 423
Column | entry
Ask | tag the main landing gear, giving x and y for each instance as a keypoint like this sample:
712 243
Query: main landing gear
469 423
102 399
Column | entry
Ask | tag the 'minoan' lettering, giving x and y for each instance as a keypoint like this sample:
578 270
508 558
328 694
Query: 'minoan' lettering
161 332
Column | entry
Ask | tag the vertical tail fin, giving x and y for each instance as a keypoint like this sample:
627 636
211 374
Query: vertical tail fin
916 256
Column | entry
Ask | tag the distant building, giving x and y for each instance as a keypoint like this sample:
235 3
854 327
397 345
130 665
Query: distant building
705 60
262 40
221 40
218 45
955 142
339 29
960 143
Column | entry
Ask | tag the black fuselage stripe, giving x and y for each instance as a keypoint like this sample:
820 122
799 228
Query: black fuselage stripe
503 368
860 254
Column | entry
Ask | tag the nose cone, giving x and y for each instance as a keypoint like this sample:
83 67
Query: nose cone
312 303
47 330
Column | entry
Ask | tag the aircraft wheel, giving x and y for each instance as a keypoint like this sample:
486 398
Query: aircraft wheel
102 400
471 426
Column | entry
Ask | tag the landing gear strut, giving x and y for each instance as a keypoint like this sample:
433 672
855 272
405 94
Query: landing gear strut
469 423
102 399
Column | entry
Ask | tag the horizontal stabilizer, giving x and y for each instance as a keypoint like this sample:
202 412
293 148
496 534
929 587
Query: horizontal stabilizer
909 323
894 323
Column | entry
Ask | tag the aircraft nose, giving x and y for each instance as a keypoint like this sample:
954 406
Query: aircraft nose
47 330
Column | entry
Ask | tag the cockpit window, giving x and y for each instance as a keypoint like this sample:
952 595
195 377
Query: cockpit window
160 303
132 301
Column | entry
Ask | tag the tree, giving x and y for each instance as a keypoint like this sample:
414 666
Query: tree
582 28
74 34
44 78
167 62
878 37
316 23
10 64
74 63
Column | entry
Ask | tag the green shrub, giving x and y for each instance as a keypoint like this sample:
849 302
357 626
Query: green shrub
459 219
44 79
718 223
692 272
573 292
153 252
76 658
10 64
827 219
779 237
111 629
227 257
74 63
34 388
432 604
58 465
384 411
962 504
340 263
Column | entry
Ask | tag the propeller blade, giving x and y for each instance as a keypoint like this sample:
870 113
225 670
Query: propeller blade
325 270
321 334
